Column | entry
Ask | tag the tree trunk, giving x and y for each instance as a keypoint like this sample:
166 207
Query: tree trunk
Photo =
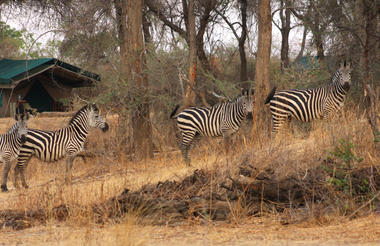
135 65
319 45
262 67
317 36
243 37
285 30
124 125
369 56
303 42
190 95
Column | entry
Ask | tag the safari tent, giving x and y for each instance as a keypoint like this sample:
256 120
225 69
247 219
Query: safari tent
42 83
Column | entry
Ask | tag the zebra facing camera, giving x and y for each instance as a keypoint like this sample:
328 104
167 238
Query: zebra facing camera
106 127
245 92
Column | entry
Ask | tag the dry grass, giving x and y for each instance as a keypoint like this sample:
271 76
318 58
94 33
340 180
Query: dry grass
107 175
253 231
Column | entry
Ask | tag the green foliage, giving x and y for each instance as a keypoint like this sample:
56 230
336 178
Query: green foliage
339 175
11 40
377 137
18 43
344 152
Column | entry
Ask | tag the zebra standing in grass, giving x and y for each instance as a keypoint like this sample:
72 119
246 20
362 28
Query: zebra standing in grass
220 120
54 145
10 144
309 104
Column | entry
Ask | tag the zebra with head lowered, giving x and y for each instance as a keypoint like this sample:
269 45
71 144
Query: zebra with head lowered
54 145
10 144
309 104
219 120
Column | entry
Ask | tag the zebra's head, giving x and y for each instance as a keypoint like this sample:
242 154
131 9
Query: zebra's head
345 75
21 126
95 120
248 99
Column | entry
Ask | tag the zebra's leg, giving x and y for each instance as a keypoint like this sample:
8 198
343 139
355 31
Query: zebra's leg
69 166
7 165
278 122
185 153
19 170
227 143
185 146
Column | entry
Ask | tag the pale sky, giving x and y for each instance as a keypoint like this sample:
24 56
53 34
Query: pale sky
26 19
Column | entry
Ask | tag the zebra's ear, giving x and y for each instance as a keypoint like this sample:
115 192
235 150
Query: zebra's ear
348 67
244 92
94 107
16 117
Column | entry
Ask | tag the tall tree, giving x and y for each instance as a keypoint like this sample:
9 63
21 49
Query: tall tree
190 95
285 28
303 43
357 22
314 18
371 17
177 19
168 18
262 78
136 62
242 38
133 65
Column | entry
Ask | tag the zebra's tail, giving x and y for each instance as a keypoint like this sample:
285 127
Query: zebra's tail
174 111
271 94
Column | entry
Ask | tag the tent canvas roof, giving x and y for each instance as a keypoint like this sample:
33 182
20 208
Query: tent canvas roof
14 71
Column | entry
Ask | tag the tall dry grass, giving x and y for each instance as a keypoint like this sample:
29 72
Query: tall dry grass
109 172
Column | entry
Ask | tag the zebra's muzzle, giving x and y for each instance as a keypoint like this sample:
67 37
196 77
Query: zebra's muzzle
346 86
106 127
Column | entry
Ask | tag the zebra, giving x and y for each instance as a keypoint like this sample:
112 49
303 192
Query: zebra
309 104
10 144
66 142
219 120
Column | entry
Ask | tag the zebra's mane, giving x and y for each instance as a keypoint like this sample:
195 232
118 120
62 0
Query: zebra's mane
83 109
13 128
230 101
335 77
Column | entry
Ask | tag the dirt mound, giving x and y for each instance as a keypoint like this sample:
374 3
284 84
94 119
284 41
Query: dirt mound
216 194
220 195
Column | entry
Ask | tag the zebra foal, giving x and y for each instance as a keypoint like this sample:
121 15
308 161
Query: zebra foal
309 104
10 144
219 120
54 145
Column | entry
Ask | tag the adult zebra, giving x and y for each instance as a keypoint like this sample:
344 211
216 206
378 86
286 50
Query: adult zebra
54 145
219 120
309 104
10 144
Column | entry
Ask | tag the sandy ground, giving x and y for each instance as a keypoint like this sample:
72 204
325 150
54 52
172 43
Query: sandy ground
256 231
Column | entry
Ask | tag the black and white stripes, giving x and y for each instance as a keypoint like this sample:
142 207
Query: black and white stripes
10 144
307 105
220 120
54 145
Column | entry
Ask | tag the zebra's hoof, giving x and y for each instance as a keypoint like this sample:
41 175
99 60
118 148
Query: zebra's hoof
4 188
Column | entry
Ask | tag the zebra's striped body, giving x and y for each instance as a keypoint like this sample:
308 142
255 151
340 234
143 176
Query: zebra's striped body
10 144
54 145
220 120
307 105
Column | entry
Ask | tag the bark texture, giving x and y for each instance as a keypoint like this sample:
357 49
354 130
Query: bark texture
262 79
